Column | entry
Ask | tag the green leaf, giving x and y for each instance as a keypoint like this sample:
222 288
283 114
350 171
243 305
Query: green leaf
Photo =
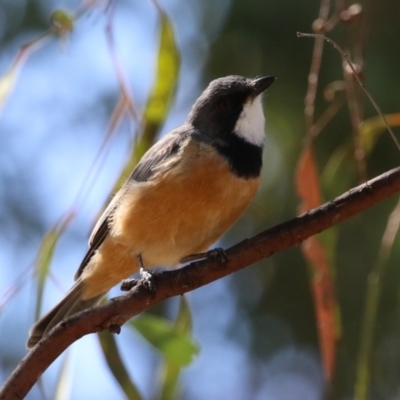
43 262
174 345
372 128
170 387
165 82
183 322
340 171
171 370
62 22
44 257
117 366
161 95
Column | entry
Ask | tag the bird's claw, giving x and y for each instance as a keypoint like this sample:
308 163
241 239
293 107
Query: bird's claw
148 279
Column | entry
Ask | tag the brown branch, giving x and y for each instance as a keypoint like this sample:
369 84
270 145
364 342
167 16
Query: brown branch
171 283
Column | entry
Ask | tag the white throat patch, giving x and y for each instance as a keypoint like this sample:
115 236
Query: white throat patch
250 125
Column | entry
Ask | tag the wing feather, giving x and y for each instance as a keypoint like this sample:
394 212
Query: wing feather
158 156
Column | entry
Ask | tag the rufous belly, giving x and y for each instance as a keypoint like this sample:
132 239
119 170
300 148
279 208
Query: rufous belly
181 212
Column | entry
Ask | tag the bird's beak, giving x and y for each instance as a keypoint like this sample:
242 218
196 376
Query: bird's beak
260 84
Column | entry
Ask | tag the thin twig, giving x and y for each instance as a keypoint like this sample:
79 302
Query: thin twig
326 117
346 58
315 67
356 119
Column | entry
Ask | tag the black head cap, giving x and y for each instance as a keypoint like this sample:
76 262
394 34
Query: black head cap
219 107
229 116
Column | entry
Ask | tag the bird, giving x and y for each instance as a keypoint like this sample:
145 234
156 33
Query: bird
188 189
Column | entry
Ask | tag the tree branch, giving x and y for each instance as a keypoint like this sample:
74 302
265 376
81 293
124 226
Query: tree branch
171 283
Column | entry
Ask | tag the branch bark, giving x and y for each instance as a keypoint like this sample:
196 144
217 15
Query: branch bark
171 283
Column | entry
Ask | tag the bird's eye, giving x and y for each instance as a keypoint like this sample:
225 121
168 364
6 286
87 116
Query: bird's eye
224 105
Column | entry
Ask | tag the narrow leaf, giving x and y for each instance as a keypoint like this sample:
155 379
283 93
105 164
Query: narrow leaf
174 345
161 94
117 366
171 370
369 327
325 303
170 376
307 183
183 322
44 257
372 128
165 83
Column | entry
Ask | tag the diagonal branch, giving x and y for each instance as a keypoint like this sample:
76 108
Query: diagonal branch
171 283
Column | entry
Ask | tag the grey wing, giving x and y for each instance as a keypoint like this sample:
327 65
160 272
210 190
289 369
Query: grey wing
162 153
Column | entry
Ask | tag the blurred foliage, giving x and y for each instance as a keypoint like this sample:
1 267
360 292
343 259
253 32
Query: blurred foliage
171 369
267 45
174 345
117 365
273 302
161 95
44 258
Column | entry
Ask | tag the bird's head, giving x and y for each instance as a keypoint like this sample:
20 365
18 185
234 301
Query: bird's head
231 106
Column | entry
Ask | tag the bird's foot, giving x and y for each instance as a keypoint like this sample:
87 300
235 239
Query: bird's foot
218 252
148 279
146 275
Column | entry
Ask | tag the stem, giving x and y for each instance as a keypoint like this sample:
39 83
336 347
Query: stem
346 58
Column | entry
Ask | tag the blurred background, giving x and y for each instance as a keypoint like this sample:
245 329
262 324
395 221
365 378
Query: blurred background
256 331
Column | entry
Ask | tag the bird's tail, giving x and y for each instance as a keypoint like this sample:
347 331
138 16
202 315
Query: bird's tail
70 304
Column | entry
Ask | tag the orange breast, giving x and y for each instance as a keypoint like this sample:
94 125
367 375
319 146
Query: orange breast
181 212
